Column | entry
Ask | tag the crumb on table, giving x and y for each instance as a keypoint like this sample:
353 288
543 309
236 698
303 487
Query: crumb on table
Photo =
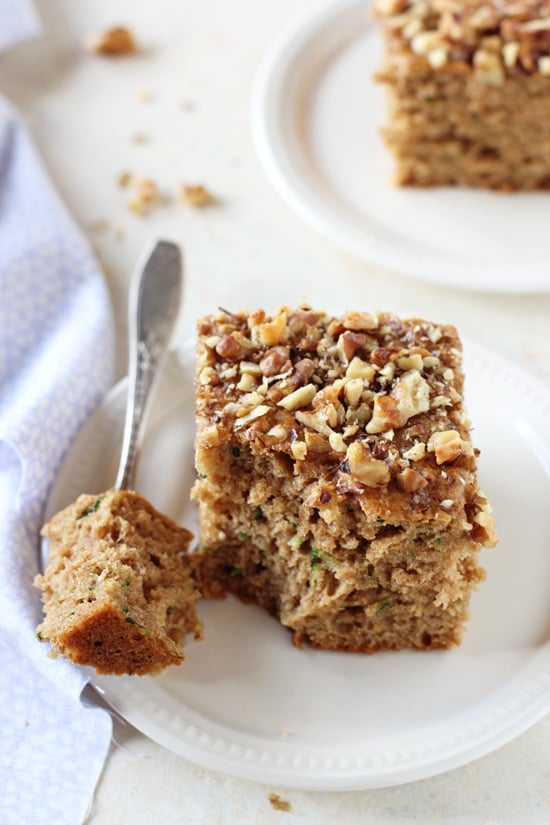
112 42
197 196
145 195
279 803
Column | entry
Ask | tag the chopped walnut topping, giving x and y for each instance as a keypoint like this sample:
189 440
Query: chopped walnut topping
299 398
385 414
415 453
278 431
412 393
448 446
358 368
410 480
486 522
493 38
273 332
368 470
299 450
255 413
112 42
276 361
337 442
230 347
247 382
353 391
349 342
315 420
306 386
359 321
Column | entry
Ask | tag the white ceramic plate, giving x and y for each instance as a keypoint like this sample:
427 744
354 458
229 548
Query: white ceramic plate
249 703
316 115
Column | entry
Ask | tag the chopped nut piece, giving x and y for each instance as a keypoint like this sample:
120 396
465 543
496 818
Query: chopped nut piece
448 446
488 67
349 342
410 480
257 412
273 332
485 520
412 393
112 42
368 470
299 450
360 369
247 382
275 361
337 442
353 391
510 53
197 196
278 431
229 347
438 57
299 398
415 453
360 320
250 367
412 361
385 415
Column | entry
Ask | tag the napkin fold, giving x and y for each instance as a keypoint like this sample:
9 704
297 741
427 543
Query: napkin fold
56 362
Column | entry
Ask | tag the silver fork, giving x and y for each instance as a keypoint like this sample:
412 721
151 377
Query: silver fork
154 301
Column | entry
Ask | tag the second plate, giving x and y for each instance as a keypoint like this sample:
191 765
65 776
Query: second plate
316 116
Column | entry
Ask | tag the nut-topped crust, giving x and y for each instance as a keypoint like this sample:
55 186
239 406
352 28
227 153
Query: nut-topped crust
368 404
491 39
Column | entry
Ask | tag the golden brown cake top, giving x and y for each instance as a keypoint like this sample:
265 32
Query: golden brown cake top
494 39
365 402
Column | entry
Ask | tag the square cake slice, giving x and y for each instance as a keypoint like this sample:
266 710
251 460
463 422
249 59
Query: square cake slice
337 480
469 91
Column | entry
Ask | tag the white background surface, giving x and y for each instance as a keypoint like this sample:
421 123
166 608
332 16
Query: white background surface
199 61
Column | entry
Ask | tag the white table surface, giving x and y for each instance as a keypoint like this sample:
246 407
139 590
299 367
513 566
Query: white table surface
199 60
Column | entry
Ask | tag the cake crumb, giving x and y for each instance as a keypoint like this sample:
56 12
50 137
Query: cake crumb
146 194
124 179
279 803
139 137
112 42
196 196
144 95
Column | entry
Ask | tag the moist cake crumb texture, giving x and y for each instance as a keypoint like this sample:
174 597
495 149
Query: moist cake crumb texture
118 592
468 91
337 481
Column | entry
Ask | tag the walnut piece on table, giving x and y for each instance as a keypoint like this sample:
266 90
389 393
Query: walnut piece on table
112 42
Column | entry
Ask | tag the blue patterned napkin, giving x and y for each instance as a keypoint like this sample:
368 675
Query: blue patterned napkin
56 345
